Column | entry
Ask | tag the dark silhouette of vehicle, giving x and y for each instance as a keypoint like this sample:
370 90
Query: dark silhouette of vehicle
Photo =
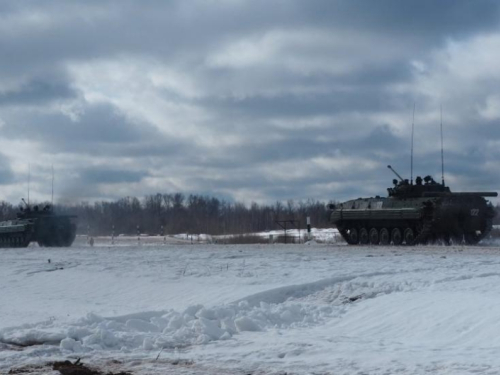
43 226
420 213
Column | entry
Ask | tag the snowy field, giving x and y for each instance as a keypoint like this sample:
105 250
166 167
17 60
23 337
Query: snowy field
252 309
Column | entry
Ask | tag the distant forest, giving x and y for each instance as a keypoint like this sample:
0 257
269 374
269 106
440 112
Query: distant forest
193 214
179 213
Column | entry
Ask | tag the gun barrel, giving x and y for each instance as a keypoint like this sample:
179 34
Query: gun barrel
396 173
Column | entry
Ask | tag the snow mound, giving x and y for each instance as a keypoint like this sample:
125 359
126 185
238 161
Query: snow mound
194 326
281 308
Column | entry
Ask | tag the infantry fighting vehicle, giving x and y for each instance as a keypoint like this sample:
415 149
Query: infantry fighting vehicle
38 225
420 213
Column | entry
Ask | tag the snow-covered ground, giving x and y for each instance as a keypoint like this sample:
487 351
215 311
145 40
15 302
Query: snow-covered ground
323 235
252 308
329 235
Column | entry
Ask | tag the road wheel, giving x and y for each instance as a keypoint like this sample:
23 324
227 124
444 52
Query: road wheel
472 238
374 237
363 236
396 237
409 236
353 236
385 239
446 240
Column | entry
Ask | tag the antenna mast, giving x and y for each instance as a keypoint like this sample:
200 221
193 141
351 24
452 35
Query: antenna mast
442 152
29 178
52 197
412 131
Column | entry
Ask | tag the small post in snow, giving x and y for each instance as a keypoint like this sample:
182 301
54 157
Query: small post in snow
112 235
309 228
138 235
283 225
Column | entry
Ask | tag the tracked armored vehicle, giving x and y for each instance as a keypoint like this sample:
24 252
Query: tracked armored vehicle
420 213
38 225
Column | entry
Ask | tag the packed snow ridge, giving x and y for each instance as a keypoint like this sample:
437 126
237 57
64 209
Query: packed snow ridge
281 308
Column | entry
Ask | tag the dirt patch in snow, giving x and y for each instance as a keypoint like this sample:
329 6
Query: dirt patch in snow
31 369
64 368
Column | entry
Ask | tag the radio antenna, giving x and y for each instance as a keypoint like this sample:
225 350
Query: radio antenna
29 178
52 196
442 152
412 131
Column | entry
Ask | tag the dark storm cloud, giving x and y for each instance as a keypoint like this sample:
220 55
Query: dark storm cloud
98 126
94 29
37 91
6 174
99 131
127 26
425 18
334 102
297 152
305 144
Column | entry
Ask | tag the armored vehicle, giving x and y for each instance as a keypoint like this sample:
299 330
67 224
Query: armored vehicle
420 213
38 225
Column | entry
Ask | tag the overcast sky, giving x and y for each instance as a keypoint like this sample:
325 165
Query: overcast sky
252 100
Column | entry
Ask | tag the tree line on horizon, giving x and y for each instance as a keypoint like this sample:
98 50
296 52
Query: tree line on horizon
164 214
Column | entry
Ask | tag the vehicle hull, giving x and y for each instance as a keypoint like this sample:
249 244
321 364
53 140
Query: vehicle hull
45 228
447 218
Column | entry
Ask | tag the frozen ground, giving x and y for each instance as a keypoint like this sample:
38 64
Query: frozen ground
323 235
258 309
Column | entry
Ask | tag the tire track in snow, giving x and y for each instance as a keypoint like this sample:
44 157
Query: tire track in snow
298 291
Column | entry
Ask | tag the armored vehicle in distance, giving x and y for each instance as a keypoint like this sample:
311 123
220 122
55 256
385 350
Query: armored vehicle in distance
420 213
38 225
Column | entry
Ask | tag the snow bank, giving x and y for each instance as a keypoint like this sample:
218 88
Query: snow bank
281 308
193 326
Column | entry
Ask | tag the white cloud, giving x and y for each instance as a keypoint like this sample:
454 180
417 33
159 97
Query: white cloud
145 91
461 75
491 109
306 51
